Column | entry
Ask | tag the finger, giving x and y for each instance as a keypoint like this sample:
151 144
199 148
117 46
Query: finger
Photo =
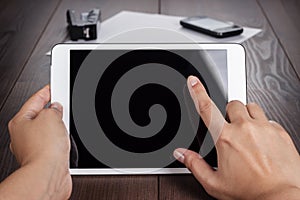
236 110
282 132
256 112
11 148
35 103
206 108
202 171
58 108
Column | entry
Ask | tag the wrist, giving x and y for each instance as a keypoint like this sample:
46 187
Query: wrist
37 181
50 177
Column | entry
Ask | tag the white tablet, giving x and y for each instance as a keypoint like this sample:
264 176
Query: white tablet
127 107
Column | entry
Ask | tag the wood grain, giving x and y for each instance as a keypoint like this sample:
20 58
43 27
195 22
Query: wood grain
17 22
284 19
114 187
22 23
36 74
181 187
271 80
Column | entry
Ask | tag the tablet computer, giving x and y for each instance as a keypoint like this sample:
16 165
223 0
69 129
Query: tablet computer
127 107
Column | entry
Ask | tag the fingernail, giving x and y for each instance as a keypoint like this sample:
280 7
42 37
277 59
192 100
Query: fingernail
56 106
178 154
193 81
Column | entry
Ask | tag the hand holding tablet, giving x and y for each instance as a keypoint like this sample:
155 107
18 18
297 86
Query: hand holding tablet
40 143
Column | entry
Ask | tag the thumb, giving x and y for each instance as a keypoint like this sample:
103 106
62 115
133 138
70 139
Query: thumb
202 171
58 108
35 103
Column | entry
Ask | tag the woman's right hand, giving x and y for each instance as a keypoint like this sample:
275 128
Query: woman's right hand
256 157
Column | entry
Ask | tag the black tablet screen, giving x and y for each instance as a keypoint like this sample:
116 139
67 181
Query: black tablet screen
131 108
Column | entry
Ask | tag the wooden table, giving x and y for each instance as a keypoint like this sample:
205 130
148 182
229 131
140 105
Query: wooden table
29 29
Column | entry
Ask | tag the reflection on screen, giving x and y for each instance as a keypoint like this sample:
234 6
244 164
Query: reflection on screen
141 104
209 24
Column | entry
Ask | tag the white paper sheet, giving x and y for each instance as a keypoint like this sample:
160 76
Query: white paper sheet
126 21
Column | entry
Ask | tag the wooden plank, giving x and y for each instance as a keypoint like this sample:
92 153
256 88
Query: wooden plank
37 73
22 23
181 187
284 18
271 80
114 187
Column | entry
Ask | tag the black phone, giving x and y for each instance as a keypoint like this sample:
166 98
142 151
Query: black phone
212 27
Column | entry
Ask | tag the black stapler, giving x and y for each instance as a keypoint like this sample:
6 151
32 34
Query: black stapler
86 27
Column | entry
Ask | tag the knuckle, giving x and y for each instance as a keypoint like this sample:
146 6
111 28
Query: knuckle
12 124
246 124
231 103
204 106
228 106
190 161
224 140
285 136
249 129
193 163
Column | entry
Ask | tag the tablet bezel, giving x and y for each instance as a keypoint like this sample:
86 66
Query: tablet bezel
60 86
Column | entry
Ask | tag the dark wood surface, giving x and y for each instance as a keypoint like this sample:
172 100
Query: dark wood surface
115 187
271 62
284 18
18 20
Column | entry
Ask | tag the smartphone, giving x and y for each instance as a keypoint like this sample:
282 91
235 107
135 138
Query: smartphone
212 27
